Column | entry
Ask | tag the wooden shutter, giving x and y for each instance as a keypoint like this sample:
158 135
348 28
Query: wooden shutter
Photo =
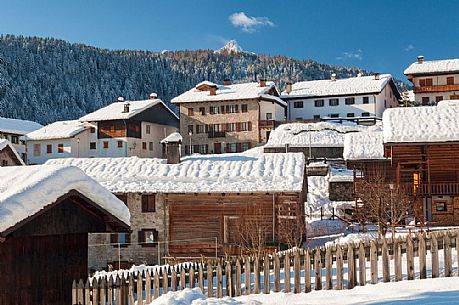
141 237
227 147
128 237
237 110
249 126
238 147
222 109
207 151
114 238
196 148
249 145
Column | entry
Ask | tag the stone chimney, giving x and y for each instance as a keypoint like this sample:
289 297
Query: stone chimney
420 59
213 90
126 107
226 82
262 82
153 96
288 87
171 148
333 77
376 76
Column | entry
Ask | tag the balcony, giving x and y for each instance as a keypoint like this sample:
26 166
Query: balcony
269 123
437 88
447 188
216 134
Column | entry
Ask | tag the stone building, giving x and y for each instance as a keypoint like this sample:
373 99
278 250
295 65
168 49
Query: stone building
229 117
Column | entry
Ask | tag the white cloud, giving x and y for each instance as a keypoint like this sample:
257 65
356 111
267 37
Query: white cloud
249 24
409 48
358 55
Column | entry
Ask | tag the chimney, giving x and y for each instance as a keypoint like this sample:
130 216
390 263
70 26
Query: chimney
262 82
126 107
376 76
213 90
288 87
333 77
420 59
226 82
153 96
171 148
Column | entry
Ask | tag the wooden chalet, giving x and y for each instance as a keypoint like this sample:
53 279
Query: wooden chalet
8 154
46 213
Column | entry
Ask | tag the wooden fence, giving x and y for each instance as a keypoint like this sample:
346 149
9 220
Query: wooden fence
335 267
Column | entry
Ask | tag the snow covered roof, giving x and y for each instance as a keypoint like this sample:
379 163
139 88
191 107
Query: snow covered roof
338 174
328 134
422 124
57 130
26 190
226 93
227 173
173 137
20 127
115 111
5 143
365 145
434 66
328 87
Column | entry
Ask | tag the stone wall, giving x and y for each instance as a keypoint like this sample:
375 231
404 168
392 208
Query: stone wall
341 191
101 253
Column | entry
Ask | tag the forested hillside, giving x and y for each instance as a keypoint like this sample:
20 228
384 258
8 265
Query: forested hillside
46 79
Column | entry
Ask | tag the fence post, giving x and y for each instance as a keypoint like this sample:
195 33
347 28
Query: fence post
156 285
219 280
74 293
447 254
385 262
191 276
131 290
350 266
103 293
266 281
317 270
328 269
307 271
457 250
210 279
410 257
296 272
434 254
398 259
140 288
339 268
276 273
182 278
238 278
247 274
373 262
362 265
229 279
287 273
118 295
201 276
422 252
110 290
87 292
148 287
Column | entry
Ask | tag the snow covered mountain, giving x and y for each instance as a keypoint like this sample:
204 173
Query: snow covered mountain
231 47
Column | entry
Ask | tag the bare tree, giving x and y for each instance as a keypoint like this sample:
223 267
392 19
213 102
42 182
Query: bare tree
292 228
254 229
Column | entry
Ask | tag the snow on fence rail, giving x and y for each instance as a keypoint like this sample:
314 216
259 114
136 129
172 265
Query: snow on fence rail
336 267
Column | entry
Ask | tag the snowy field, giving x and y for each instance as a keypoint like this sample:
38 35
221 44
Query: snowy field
419 292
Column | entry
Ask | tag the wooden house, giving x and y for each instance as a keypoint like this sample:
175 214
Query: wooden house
192 208
46 213
13 130
8 154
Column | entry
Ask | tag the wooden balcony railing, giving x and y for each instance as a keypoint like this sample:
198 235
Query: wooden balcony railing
436 88
269 123
216 134
447 188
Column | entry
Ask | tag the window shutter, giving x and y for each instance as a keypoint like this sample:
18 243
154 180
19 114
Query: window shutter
141 237
207 151
249 144
144 203
222 109
228 108
196 148
238 126
227 147
249 126
114 238
237 108
225 127
128 237
238 147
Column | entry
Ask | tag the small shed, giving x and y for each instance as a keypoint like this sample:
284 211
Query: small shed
46 212
8 154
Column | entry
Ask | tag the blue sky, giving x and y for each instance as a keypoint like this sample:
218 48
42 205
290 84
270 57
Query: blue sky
383 36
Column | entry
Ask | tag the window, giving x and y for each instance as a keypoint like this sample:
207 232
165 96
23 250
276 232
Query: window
202 110
203 149
120 144
148 203
244 126
190 112
230 126
49 149
350 115
148 237
366 99
438 98
425 100
216 127
144 145
244 108
105 143
60 148
123 239
232 147
231 108
269 116
92 145
334 115
147 129
318 103
333 102
36 150
298 104
190 128
246 145
316 117
14 139
425 82
214 110
150 146
92 130
454 97
200 129
365 114
450 80
440 206
4 162
349 100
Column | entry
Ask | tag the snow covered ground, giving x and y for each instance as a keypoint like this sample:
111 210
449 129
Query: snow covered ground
419 292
